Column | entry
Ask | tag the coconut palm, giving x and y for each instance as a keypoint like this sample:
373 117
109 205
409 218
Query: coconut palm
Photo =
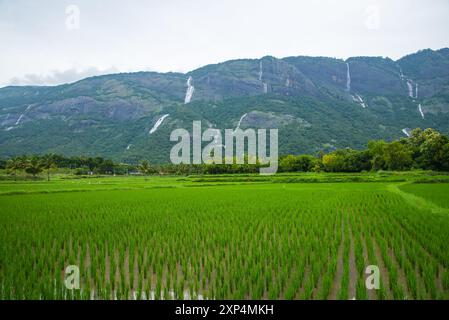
144 168
15 164
33 166
48 163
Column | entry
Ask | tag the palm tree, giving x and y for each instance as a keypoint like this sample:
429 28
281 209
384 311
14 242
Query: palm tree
48 163
33 166
144 168
12 165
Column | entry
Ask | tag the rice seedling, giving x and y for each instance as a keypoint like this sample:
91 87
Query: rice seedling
265 241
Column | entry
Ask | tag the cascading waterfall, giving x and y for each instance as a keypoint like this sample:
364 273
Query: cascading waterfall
359 99
401 75
21 116
265 88
410 84
18 120
410 88
240 121
348 78
264 85
158 123
420 110
411 94
406 131
190 90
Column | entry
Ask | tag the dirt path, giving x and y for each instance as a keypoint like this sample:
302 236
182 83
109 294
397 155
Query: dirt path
336 285
402 279
371 293
384 274
352 267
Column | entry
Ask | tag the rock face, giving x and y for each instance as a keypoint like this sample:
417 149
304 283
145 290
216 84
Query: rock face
260 119
311 100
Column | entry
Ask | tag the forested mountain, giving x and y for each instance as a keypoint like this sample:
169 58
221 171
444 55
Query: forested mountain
317 103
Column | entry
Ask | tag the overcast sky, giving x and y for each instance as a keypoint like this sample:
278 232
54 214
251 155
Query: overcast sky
54 41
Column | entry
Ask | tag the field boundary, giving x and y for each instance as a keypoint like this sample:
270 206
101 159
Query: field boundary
416 201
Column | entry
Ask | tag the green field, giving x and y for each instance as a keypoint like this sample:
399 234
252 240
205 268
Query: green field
296 236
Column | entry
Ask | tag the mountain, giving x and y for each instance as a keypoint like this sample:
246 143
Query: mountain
317 103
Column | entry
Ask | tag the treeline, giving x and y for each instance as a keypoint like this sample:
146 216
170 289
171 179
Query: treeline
49 163
424 149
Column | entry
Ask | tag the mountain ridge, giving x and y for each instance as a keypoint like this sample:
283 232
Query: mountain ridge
443 49
318 103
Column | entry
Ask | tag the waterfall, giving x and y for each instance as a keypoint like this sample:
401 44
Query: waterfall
406 131
240 122
359 99
348 78
190 90
21 116
264 85
420 110
158 123
410 88
416 91
401 75
265 88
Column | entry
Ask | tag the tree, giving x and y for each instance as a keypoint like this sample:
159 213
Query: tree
106 166
331 162
376 151
33 166
445 157
2 164
346 160
398 156
304 163
13 165
48 163
432 149
144 168
287 163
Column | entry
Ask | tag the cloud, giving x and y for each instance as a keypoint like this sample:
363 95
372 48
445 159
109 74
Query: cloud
57 77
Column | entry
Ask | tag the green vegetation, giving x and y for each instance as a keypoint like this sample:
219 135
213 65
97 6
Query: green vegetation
158 238
439 196
425 149
306 99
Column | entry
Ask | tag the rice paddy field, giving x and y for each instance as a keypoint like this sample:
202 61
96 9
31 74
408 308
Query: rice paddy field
298 236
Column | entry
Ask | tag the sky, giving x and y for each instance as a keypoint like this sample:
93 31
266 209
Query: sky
49 42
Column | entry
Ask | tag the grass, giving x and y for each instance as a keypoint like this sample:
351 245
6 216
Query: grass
196 237
438 195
